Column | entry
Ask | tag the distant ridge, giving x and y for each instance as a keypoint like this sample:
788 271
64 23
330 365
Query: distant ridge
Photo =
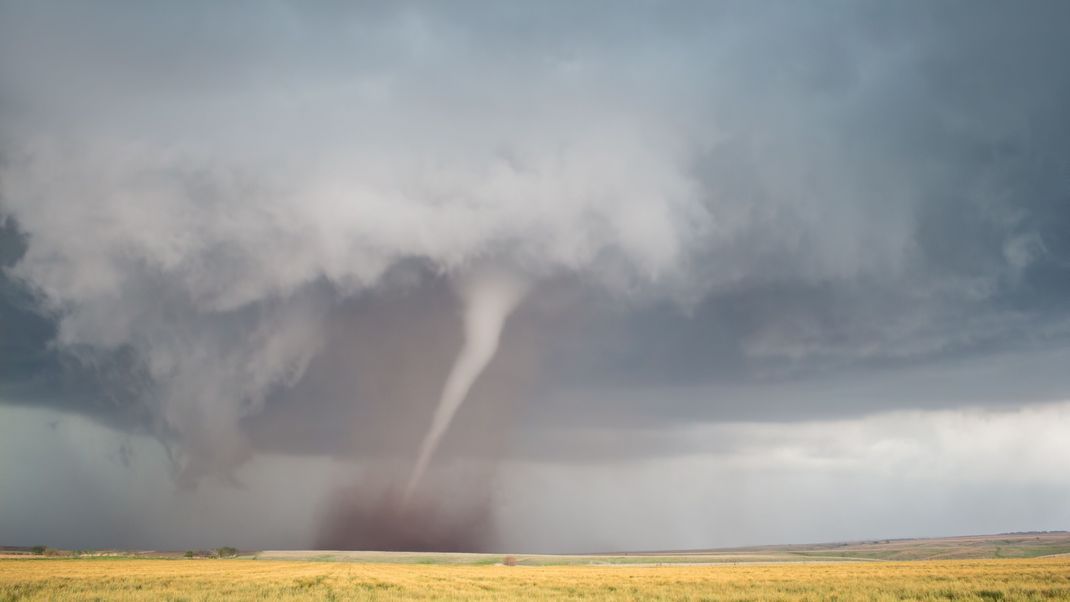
1029 544
1018 544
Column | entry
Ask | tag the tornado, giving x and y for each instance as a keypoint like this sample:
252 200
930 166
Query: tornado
489 298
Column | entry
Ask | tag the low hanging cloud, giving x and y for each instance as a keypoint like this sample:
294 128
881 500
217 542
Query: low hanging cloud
213 233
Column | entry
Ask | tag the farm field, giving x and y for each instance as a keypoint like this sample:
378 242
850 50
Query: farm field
249 579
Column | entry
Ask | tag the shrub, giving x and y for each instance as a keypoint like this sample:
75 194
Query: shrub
227 551
38 550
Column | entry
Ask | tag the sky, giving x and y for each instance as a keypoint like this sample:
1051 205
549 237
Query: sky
779 272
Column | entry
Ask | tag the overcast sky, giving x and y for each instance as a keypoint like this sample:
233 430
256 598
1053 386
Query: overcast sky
795 272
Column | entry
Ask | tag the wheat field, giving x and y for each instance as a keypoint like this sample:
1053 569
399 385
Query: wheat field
207 579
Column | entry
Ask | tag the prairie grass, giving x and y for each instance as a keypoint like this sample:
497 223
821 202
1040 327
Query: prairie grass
203 579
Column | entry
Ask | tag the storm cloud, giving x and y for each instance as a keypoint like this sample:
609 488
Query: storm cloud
234 232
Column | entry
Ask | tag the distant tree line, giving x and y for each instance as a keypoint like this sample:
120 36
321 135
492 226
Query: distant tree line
224 552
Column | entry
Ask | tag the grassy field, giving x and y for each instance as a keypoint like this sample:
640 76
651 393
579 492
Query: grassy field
246 579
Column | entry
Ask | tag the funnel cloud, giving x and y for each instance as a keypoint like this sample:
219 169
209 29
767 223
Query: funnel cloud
489 298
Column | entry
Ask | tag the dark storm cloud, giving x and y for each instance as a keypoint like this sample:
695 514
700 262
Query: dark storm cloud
901 176
869 192
26 333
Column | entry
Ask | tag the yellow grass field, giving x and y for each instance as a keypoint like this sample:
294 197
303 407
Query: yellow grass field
239 579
